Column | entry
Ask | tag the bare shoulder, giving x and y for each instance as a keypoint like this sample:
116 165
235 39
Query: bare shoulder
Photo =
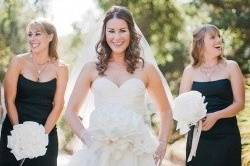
61 67
233 68
149 67
89 70
90 66
231 64
189 74
189 70
19 60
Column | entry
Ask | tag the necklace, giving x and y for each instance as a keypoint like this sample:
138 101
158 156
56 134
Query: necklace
208 71
40 67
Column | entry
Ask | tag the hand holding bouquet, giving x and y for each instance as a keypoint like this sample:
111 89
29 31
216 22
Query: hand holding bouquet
28 140
188 110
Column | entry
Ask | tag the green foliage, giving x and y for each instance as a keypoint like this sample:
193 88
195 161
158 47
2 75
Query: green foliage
66 134
3 58
244 124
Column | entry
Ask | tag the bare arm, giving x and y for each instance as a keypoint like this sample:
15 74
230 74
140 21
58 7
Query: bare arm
10 88
62 79
157 92
237 82
77 97
186 80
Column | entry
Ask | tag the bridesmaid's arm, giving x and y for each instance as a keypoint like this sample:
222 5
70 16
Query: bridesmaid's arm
78 96
237 82
62 79
186 80
10 88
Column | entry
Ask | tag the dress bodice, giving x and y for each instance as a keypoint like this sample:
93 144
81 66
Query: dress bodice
130 95
218 95
117 123
34 100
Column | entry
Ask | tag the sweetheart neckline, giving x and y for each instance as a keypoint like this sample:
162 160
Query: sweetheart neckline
123 84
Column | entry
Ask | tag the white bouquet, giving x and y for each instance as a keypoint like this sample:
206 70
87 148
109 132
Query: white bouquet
188 110
28 140
119 129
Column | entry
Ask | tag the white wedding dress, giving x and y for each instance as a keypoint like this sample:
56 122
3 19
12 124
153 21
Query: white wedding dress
120 135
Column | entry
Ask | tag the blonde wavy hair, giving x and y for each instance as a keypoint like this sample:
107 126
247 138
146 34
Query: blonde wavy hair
197 47
48 28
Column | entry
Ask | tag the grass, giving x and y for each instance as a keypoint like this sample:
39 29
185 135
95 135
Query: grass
244 125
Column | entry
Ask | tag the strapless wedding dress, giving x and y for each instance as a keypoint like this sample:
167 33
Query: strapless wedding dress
120 135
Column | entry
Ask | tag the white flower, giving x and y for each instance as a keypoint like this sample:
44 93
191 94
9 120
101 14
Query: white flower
121 128
28 140
188 109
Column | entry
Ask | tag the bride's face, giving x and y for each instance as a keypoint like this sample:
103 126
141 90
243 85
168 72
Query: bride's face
117 35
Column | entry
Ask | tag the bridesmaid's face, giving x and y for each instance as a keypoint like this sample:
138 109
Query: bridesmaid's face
212 44
38 40
117 35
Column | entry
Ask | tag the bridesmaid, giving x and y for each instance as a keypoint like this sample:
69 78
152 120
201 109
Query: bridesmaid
221 82
34 86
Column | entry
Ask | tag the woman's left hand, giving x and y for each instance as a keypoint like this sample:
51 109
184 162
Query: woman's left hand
160 153
209 121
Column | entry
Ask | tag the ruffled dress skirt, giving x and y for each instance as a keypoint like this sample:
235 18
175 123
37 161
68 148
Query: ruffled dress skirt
120 138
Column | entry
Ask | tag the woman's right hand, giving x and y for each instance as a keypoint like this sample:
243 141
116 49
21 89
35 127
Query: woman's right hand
160 152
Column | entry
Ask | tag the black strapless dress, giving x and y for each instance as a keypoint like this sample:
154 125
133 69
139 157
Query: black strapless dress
34 102
221 145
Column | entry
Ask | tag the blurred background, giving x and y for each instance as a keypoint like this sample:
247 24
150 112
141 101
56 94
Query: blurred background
166 24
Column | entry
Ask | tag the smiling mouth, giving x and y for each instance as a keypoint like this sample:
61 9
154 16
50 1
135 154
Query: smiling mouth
34 45
117 44
218 47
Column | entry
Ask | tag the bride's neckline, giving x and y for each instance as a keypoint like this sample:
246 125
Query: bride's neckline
123 83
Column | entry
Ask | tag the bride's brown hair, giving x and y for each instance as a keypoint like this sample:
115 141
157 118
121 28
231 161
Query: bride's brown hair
132 53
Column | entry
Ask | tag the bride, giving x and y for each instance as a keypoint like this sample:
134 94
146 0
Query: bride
118 80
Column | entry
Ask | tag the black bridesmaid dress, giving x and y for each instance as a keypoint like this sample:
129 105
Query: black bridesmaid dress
34 102
221 145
